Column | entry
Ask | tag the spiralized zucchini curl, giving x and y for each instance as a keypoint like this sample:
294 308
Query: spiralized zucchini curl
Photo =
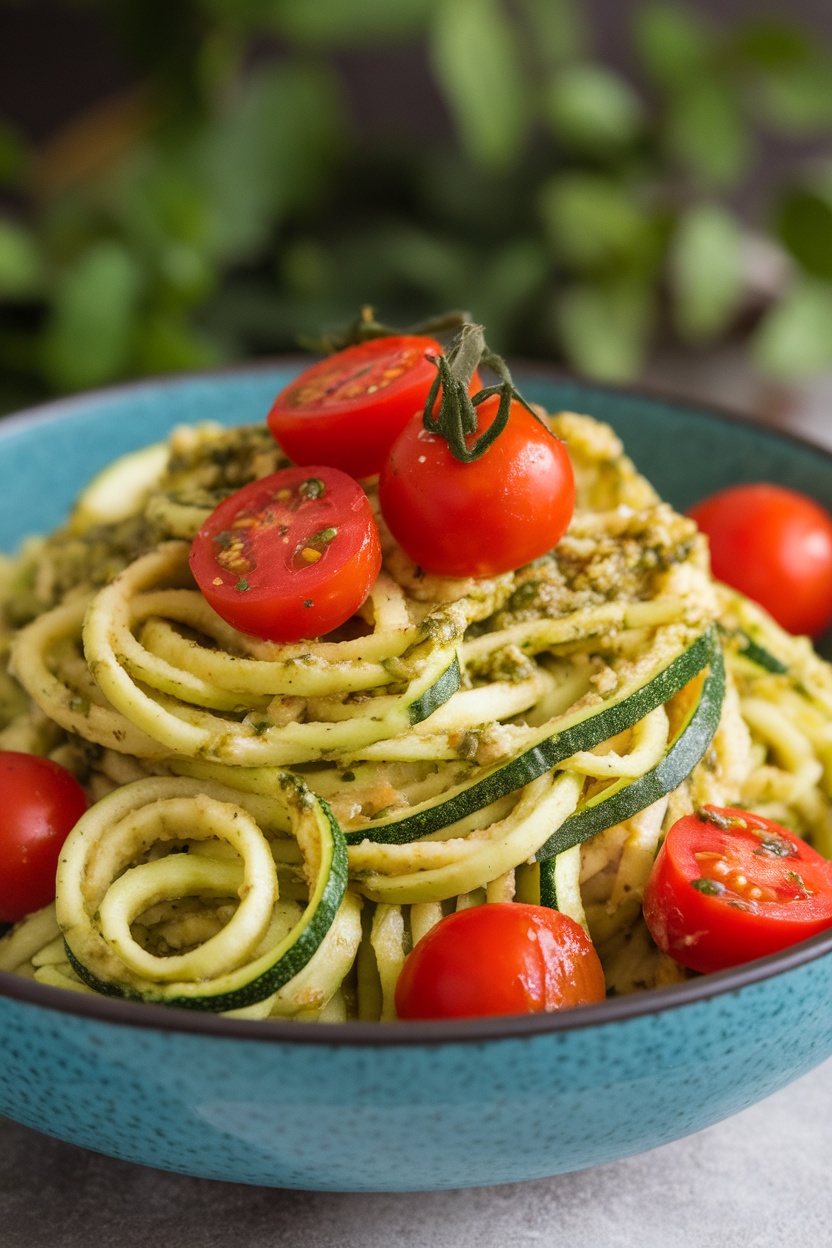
135 865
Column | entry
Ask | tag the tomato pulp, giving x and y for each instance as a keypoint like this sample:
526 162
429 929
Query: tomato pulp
291 556
350 407
775 546
41 803
729 886
480 519
499 958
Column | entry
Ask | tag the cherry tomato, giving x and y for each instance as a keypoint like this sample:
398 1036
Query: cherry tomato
350 407
293 555
480 519
500 958
729 886
775 546
41 803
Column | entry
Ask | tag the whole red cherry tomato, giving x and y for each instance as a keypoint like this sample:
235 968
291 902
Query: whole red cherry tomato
500 958
729 886
41 803
292 555
349 408
775 546
483 518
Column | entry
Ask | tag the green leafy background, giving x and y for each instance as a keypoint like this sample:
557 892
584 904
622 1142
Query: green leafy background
229 204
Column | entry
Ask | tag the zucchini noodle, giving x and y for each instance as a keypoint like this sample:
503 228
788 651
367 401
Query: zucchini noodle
274 827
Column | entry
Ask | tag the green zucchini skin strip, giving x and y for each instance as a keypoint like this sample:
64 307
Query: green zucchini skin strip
559 880
548 885
679 761
515 774
313 929
443 688
758 654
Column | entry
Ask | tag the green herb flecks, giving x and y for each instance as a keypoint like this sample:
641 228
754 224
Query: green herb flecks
311 489
711 888
775 847
725 822
797 879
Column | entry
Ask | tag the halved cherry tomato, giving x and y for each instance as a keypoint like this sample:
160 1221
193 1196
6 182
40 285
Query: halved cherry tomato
774 545
480 519
500 958
349 408
293 555
41 804
729 886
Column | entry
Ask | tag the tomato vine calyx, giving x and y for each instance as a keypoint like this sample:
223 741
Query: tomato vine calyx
365 326
456 418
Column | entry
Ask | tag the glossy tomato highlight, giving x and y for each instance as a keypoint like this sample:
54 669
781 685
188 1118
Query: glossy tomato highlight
482 518
729 886
775 546
349 408
41 804
499 958
291 556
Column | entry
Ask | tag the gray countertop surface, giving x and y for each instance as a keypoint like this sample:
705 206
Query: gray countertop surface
758 1180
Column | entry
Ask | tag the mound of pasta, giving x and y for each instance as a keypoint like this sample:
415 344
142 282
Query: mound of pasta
274 826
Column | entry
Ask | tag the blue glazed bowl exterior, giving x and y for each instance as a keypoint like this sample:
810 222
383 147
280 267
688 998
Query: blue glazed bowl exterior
352 1113
369 1108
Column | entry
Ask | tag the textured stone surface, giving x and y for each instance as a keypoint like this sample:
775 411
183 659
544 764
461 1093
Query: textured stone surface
759 1180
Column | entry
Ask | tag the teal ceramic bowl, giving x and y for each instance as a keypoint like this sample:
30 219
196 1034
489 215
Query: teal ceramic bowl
363 1107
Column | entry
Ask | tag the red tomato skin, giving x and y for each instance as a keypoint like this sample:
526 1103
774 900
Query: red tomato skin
481 519
316 418
775 546
706 933
284 602
41 804
499 958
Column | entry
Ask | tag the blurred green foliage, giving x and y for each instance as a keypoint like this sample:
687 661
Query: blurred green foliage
231 205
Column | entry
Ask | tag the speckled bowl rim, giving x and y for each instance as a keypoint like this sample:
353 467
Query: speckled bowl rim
406 1034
